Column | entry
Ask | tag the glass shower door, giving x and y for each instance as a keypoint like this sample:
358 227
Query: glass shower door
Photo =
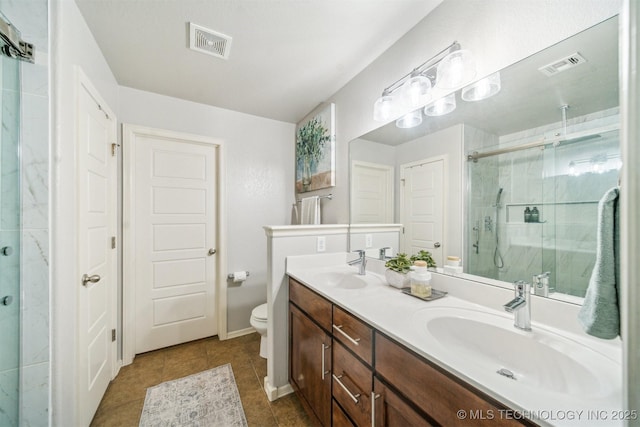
9 240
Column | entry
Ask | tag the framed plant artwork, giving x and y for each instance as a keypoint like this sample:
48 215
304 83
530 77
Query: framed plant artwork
315 150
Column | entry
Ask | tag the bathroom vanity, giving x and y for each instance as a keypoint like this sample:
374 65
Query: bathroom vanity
334 374
364 354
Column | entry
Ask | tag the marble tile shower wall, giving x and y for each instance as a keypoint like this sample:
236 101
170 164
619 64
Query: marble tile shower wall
31 18
568 205
9 239
482 190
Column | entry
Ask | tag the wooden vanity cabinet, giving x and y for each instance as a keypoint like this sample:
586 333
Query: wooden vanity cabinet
310 351
339 364
433 391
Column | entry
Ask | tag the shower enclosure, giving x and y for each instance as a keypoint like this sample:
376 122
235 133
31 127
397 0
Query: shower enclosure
12 49
532 202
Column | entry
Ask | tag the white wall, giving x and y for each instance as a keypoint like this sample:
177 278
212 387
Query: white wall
259 179
72 45
498 32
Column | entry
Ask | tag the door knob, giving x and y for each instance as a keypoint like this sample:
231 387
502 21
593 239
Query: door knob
436 245
7 300
93 279
212 251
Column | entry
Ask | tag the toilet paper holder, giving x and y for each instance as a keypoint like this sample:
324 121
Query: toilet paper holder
232 276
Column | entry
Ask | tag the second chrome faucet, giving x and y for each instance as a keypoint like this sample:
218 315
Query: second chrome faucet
520 306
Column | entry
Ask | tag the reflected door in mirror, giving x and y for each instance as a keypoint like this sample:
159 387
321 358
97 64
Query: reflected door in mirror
422 209
371 193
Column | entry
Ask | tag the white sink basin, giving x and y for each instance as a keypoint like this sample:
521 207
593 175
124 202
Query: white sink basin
541 360
340 277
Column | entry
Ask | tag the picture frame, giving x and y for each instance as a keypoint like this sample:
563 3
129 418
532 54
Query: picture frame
315 150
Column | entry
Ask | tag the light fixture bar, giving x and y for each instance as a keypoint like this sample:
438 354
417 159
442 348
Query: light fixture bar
422 67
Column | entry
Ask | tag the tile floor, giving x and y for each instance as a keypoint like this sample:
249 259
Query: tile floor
122 403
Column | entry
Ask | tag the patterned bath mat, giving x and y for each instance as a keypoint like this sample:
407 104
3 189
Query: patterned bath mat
205 399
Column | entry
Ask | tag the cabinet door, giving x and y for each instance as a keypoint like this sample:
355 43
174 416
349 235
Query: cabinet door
340 419
391 410
311 364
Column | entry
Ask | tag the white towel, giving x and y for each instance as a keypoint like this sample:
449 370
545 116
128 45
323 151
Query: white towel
310 210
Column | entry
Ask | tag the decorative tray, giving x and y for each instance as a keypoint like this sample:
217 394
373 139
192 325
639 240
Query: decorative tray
435 294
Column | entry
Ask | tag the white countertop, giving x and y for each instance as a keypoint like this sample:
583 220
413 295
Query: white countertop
397 315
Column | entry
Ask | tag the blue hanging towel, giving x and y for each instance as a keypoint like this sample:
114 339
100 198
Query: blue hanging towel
600 313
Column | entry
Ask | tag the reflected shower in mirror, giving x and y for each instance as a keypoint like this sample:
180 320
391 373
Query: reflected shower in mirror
522 171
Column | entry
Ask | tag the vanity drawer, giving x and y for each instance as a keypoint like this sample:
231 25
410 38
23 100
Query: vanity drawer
353 333
318 308
352 385
430 389
340 419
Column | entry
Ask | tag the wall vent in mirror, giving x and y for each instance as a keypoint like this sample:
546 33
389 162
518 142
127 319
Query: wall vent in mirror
563 64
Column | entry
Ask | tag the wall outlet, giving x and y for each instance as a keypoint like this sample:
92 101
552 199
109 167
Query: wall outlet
368 240
321 244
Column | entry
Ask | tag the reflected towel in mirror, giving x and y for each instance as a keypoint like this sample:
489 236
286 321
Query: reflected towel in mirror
600 313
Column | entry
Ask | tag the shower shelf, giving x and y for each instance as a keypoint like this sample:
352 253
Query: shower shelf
515 211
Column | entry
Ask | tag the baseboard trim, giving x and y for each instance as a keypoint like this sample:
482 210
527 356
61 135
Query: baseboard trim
275 393
240 332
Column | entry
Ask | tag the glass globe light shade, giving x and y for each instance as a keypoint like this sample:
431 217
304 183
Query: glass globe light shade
456 69
441 106
416 91
384 109
410 120
482 89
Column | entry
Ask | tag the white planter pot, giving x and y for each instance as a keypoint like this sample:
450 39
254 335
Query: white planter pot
397 280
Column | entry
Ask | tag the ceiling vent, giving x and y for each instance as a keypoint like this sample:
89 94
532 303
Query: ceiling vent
208 41
563 64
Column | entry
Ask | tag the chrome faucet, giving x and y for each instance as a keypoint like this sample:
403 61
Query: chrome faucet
541 284
383 253
361 260
520 306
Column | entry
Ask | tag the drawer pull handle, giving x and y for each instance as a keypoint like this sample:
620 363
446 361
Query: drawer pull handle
353 340
351 395
374 396
324 371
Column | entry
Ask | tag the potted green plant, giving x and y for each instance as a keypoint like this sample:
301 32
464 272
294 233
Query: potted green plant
424 256
397 269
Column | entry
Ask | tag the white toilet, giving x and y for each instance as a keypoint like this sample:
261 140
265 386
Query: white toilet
259 322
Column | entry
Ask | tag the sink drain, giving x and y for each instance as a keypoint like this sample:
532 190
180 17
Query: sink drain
506 373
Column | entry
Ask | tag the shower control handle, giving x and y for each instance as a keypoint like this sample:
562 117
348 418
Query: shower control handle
436 245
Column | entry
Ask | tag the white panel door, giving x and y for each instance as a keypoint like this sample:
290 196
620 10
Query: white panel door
371 193
422 210
97 191
175 182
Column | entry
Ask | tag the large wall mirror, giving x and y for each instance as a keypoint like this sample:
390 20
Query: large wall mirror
511 183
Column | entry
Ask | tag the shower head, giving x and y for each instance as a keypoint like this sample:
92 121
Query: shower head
498 197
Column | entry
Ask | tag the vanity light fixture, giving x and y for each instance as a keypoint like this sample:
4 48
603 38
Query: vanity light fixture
451 68
456 69
441 106
482 89
410 120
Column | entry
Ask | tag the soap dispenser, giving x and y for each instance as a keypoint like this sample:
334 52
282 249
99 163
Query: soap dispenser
535 214
420 280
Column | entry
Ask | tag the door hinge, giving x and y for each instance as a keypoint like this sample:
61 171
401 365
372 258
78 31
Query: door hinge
113 242
114 149
113 335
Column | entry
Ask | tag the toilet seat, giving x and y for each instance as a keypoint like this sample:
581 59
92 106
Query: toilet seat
260 313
